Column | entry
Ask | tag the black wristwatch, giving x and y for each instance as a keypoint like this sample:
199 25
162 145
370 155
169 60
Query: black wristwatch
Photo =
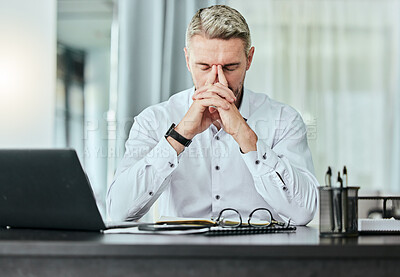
176 136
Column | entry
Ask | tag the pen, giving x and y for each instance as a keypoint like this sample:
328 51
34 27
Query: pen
339 202
328 176
345 206
328 183
339 180
345 173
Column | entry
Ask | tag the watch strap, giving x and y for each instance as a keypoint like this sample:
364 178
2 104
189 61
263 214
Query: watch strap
176 136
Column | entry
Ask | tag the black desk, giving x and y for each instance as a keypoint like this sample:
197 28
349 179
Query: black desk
59 253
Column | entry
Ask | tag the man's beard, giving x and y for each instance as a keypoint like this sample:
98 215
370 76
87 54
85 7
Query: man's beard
238 94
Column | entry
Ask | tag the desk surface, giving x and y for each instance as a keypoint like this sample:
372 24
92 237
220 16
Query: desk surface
305 243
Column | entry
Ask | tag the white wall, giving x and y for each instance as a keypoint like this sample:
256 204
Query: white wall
27 72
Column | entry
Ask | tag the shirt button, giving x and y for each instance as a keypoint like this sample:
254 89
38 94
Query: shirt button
217 197
217 137
151 193
171 165
284 188
265 156
257 161
217 167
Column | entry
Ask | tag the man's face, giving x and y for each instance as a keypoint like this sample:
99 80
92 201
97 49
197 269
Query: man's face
203 53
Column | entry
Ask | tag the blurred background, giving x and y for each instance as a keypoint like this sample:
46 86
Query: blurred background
74 73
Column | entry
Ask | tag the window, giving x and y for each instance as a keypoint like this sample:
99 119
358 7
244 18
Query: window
337 63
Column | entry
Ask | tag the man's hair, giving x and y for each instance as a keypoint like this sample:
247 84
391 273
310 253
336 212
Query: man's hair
219 22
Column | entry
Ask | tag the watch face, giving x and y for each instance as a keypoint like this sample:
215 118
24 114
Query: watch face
168 133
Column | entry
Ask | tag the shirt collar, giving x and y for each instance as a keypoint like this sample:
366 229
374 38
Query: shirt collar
190 97
244 108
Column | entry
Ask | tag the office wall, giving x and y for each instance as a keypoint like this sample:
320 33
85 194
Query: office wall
27 72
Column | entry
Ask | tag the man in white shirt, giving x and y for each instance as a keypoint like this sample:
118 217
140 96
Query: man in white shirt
231 148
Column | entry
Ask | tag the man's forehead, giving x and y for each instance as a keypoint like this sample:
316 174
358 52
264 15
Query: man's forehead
216 51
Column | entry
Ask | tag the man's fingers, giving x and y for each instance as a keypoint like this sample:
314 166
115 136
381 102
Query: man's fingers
208 94
226 89
220 90
221 76
214 101
200 90
212 76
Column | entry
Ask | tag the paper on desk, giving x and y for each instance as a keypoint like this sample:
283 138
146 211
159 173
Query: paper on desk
194 221
135 230
185 220
385 224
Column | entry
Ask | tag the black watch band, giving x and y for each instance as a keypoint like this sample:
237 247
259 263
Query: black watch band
176 136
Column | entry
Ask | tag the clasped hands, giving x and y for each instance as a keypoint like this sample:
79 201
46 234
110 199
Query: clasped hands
215 103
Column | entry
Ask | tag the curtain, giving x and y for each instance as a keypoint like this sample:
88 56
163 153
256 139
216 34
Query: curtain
336 62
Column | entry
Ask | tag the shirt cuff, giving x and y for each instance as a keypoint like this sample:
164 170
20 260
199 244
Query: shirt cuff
163 157
261 162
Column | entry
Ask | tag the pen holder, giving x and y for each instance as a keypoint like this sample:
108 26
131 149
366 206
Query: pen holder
338 211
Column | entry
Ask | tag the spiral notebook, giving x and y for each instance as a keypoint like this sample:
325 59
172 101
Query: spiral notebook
223 231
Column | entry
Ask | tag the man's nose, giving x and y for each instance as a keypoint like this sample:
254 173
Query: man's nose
216 80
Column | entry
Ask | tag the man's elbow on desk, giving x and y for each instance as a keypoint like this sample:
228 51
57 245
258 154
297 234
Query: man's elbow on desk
113 214
120 211
116 211
303 220
302 216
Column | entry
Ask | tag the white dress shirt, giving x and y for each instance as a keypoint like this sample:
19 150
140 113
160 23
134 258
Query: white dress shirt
212 173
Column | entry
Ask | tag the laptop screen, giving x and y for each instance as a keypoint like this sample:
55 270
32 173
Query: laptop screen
46 189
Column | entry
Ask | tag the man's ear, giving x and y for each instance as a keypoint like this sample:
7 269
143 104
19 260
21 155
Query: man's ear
250 57
187 58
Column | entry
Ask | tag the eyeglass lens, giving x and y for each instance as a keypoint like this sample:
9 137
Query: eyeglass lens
260 218
230 218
